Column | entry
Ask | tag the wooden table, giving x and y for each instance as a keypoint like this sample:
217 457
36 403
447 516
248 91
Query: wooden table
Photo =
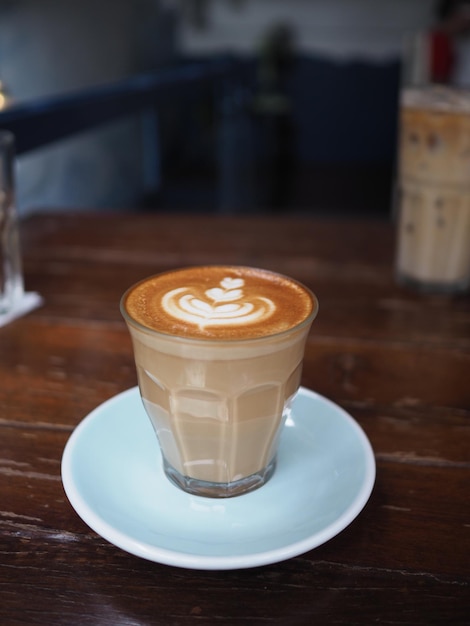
397 361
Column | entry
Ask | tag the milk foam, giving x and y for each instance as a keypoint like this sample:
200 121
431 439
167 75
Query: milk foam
219 301
223 305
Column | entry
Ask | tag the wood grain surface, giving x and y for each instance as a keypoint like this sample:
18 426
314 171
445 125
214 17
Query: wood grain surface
399 362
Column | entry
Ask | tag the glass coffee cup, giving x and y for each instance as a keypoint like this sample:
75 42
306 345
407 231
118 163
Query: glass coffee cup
218 352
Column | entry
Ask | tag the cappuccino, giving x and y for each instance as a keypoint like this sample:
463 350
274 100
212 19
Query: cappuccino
218 351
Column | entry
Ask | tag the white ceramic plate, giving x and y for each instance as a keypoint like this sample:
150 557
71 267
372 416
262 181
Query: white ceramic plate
112 474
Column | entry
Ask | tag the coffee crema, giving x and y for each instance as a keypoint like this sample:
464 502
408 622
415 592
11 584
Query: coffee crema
222 302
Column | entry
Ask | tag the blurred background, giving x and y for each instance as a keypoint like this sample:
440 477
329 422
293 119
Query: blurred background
310 128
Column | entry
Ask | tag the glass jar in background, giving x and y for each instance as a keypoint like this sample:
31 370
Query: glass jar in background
11 275
433 189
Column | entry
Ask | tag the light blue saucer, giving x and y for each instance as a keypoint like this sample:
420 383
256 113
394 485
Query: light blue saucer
112 474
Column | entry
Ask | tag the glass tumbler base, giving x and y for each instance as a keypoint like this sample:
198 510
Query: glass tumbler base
219 490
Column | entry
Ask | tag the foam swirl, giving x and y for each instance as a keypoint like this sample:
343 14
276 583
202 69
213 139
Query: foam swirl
223 305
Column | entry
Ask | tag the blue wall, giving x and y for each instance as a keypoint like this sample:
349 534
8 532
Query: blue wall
345 112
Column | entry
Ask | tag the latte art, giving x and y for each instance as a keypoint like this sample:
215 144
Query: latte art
220 302
225 305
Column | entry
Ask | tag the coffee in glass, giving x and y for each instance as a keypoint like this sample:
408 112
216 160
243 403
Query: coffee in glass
218 352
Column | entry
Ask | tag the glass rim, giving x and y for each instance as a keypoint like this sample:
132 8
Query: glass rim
219 340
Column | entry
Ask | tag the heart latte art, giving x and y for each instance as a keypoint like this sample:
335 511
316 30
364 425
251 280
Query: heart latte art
225 304
229 302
